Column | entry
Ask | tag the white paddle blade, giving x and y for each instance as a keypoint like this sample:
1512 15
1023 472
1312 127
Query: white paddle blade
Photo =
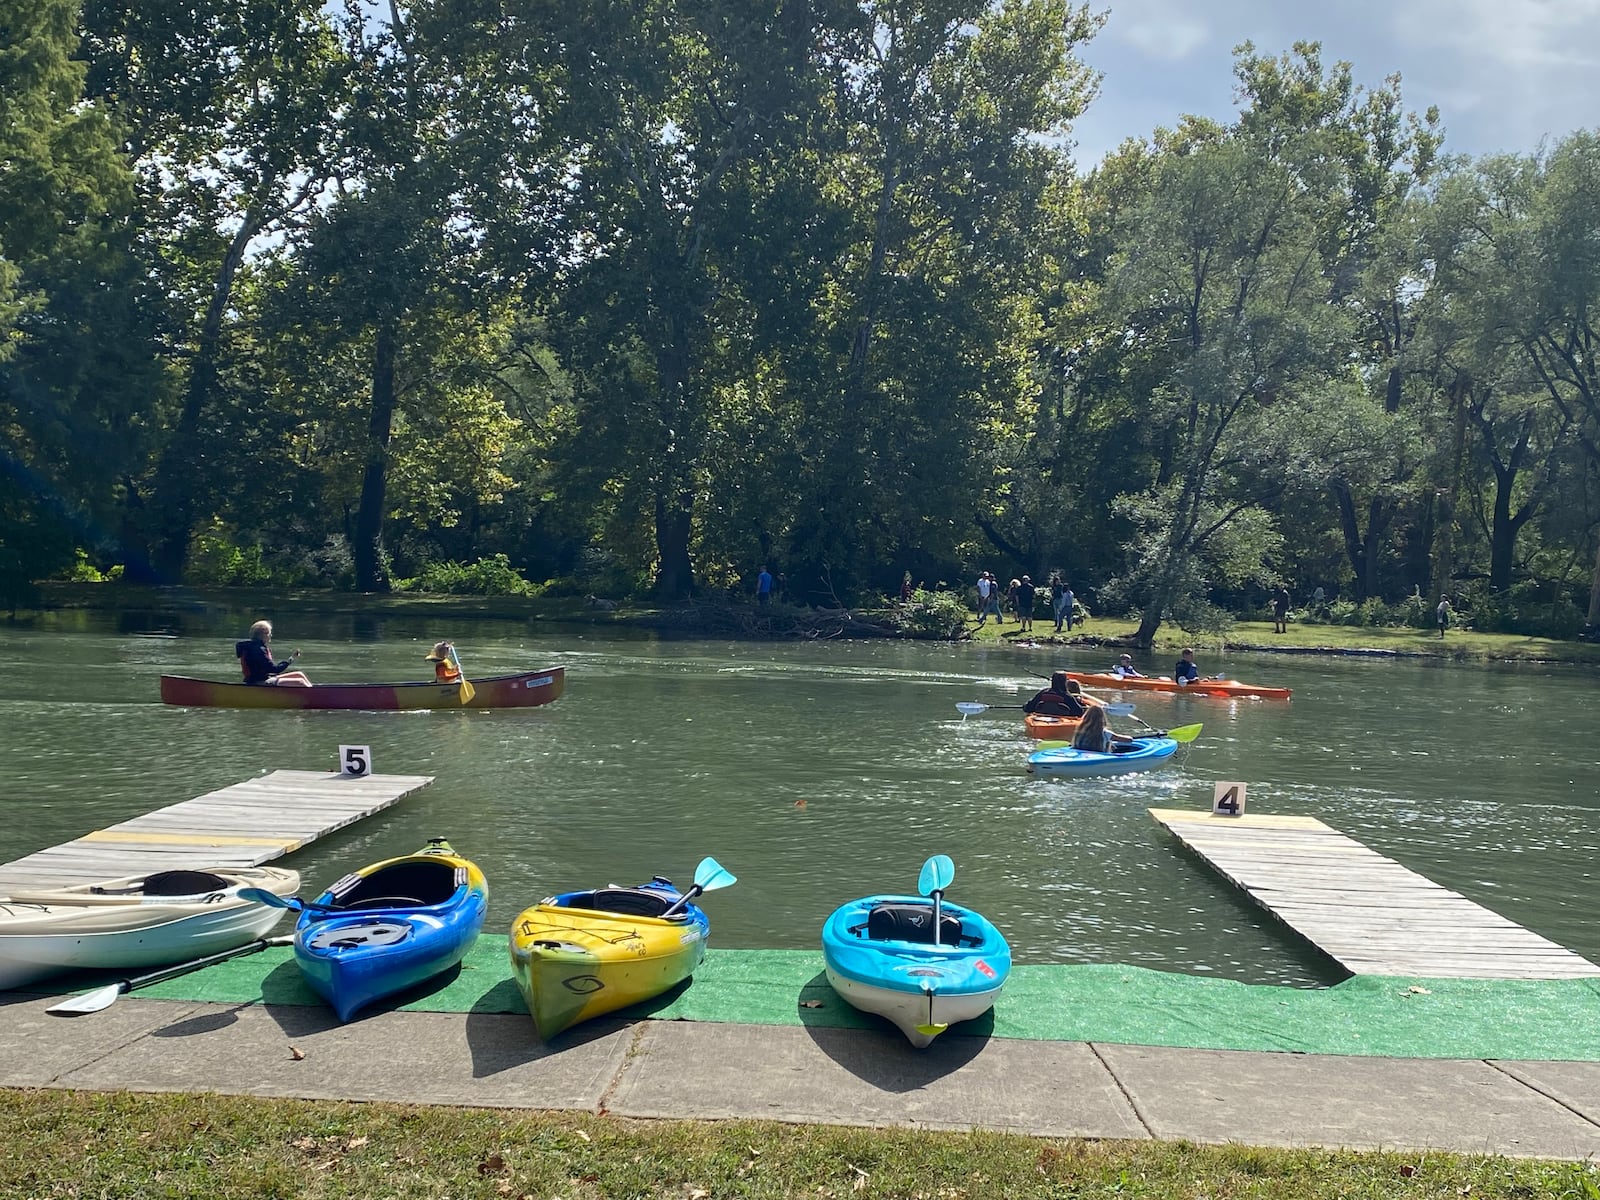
1118 708
89 1002
970 708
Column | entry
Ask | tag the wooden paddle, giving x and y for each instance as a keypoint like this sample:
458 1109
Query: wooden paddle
467 690
106 996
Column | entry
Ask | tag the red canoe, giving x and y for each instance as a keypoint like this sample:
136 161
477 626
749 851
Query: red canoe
523 690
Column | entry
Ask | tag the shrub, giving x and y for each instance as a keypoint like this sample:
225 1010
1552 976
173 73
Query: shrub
931 614
214 558
486 577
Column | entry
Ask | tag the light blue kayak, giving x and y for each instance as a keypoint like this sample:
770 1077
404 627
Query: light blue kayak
881 956
1145 754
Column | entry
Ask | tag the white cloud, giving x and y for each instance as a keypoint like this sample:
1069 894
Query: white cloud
1158 28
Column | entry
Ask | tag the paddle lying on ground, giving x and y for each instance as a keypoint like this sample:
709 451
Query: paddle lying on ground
106 996
467 690
1181 735
708 877
971 708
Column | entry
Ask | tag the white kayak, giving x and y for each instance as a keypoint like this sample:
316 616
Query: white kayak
137 921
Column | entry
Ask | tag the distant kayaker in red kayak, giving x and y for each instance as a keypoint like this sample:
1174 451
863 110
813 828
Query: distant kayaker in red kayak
255 660
1063 698
1186 672
1125 668
444 666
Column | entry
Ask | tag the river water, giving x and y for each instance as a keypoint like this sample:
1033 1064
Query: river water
823 771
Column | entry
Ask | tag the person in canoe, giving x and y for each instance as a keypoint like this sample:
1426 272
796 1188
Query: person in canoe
444 663
1093 733
1125 668
255 660
1063 698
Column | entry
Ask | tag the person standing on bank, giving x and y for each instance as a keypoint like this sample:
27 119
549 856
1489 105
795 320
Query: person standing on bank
1280 610
1025 593
255 660
764 586
1442 614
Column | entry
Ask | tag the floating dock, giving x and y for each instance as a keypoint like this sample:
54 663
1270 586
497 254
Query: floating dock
1368 913
244 825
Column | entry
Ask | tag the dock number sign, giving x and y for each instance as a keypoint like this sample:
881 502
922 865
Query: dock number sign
355 761
1227 800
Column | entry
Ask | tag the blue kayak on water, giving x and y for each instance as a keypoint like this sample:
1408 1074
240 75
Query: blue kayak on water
390 927
1143 755
882 955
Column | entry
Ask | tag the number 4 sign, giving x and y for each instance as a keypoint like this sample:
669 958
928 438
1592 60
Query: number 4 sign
1228 800
355 761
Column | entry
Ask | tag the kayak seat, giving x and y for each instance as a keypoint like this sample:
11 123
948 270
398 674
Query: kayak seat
176 883
626 902
912 923
421 883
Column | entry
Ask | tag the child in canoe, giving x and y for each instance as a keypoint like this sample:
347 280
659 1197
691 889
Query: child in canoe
443 658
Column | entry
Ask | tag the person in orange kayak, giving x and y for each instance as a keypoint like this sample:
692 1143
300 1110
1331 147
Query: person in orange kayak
1063 698
1126 669
444 663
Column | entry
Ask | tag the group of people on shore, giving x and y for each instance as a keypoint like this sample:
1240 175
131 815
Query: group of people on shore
259 668
1020 598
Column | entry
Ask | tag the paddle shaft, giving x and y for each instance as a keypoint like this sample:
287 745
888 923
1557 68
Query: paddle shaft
122 987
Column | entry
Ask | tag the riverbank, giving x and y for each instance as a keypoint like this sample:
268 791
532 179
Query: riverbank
782 623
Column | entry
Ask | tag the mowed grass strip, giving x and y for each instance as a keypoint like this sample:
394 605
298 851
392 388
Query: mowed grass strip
83 1144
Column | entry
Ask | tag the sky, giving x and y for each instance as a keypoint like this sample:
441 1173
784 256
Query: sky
1506 74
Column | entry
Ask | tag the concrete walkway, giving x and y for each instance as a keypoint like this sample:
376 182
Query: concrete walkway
674 1069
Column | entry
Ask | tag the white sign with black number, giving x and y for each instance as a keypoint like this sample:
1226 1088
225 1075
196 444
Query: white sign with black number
355 761
1227 800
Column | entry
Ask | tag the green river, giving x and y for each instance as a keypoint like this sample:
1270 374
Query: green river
822 771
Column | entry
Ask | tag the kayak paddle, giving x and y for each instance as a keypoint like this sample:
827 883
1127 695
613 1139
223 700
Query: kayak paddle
971 708
708 877
467 690
937 874
105 997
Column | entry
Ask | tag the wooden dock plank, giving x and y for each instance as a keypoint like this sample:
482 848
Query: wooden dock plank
244 824
1370 914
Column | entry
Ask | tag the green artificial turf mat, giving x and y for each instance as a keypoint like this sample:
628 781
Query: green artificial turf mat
1366 1015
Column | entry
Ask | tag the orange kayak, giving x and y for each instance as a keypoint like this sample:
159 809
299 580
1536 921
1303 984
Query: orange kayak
1205 687
1050 729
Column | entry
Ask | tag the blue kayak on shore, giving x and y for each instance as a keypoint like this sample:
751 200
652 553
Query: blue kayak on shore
390 927
925 964
1143 755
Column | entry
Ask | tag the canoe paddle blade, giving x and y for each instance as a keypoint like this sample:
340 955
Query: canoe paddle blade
937 874
1184 733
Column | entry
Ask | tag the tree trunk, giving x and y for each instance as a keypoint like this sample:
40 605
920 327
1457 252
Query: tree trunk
367 549
1592 621
1355 549
177 487
674 570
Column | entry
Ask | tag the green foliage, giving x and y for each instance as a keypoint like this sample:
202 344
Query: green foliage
216 558
932 614
492 576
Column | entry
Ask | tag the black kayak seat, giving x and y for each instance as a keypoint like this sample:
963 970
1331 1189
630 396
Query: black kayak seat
419 882
911 923
171 883
624 901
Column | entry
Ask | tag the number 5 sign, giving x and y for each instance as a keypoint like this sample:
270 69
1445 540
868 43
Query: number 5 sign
1227 800
355 761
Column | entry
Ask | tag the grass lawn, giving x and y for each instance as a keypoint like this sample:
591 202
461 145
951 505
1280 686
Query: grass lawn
73 1144
1458 644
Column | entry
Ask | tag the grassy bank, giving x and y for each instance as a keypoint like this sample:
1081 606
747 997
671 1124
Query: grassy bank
1459 645
69 1144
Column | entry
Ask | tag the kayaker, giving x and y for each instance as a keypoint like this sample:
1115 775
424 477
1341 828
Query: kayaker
1063 698
255 660
1186 672
1125 668
1093 735
444 665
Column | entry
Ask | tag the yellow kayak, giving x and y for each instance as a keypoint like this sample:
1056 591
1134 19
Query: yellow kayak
580 955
